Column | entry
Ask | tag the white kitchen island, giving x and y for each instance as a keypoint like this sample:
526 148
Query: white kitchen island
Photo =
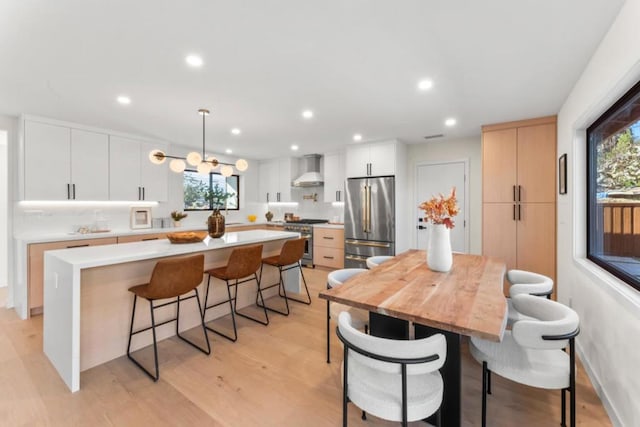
86 322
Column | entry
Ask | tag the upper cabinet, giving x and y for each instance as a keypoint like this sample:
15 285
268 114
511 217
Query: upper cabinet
275 179
373 159
334 176
64 161
61 163
132 176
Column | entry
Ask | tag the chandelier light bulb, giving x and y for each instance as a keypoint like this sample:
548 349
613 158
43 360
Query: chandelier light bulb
242 165
226 171
213 162
157 160
194 158
204 168
177 165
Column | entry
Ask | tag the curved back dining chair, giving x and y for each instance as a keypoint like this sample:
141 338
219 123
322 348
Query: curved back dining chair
374 261
532 352
397 380
526 282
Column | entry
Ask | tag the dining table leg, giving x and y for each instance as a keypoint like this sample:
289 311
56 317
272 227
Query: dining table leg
451 373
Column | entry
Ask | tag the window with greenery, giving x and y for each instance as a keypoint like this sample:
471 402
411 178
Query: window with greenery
204 192
613 200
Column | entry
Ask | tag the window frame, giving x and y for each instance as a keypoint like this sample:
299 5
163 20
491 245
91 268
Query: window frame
210 208
591 199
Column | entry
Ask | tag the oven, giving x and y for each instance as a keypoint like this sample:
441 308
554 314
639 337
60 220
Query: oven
305 228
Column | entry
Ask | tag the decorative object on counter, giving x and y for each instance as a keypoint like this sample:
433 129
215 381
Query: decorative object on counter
204 164
439 212
288 216
269 216
187 236
252 218
140 217
313 197
217 196
177 216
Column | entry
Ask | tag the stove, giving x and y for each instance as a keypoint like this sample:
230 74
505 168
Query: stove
305 228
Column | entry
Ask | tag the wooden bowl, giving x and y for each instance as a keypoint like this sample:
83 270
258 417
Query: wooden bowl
187 236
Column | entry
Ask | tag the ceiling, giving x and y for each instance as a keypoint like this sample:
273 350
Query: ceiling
355 63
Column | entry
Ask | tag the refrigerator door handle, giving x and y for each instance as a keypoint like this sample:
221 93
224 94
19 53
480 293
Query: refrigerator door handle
368 207
364 209
365 243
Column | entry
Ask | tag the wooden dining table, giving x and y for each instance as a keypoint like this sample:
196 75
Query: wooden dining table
468 300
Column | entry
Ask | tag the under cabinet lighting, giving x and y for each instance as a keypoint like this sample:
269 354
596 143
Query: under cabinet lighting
84 203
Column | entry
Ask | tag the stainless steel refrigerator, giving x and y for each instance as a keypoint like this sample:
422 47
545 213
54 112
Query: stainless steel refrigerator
369 219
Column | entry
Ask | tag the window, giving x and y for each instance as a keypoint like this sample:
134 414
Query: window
196 187
613 199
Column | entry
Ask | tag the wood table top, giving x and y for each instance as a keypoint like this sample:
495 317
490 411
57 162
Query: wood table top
467 300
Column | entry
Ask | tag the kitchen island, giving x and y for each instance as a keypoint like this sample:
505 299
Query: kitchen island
86 322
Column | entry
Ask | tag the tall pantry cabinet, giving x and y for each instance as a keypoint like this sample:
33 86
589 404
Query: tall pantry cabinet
519 194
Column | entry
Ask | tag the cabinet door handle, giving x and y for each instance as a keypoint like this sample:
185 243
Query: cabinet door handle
150 238
138 193
74 191
267 197
514 193
337 195
519 190
519 213
278 194
143 195
327 237
77 246
327 257
514 212
68 191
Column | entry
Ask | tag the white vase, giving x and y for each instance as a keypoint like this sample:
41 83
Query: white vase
439 256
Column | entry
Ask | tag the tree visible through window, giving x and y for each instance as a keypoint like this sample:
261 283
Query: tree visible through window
614 189
198 190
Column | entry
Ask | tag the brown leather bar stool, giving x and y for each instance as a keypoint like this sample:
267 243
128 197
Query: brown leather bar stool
243 263
171 278
289 258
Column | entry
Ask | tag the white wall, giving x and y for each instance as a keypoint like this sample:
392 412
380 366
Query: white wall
4 194
609 310
457 149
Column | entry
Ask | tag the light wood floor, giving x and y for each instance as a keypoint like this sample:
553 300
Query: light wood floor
273 376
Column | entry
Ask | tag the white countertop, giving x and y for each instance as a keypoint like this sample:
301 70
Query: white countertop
338 226
96 256
62 236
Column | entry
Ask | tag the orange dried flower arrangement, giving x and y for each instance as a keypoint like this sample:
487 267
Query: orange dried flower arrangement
441 210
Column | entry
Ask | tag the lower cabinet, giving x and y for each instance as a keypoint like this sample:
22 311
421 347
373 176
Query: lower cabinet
328 247
35 266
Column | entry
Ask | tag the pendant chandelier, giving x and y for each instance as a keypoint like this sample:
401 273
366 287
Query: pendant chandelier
201 162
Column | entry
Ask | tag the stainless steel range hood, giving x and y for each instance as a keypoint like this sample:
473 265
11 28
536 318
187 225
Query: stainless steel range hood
312 176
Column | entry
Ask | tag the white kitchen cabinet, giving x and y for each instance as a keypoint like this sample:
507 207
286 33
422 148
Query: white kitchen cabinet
62 163
132 176
334 175
275 179
373 159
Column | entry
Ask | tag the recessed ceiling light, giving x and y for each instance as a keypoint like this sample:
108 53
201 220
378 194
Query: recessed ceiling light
228 151
236 131
425 84
450 122
307 114
124 100
194 60
357 137
294 147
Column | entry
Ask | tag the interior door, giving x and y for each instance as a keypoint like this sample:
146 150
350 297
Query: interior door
433 179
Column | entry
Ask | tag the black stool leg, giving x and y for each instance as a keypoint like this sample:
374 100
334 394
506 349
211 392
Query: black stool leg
488 381
246 316
233 338
563 421
328 333
280 284
304 281
155 377
572 381
206 337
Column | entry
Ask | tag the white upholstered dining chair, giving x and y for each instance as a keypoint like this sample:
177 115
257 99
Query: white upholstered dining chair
397 380
532 352
360 318
525 282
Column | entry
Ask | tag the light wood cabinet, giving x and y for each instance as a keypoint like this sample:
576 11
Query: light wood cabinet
328 247
35 265
334 175
518 194
62 163
372 159
131 175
